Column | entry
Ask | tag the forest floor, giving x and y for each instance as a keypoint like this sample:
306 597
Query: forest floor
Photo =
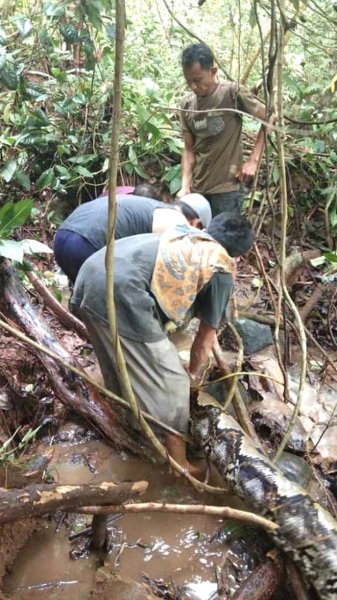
174 549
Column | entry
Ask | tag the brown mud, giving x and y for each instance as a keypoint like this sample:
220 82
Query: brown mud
173 547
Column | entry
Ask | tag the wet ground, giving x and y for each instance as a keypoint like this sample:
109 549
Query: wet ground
174 547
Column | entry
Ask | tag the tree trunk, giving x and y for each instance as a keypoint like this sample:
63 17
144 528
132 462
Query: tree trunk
40 499
70 388
307 532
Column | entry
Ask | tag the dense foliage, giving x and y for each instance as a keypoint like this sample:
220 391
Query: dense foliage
56 90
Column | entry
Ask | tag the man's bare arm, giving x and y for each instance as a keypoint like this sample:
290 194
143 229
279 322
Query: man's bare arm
187 164
201 347
249 167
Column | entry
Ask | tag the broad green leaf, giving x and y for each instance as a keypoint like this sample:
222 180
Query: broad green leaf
8 170
68 32
3 36
37 118
82 171
11 249
46 179
23 180
3 57
34 246
83 159
54 9
175 185
24 26
331 256
14 215
9 77
172 172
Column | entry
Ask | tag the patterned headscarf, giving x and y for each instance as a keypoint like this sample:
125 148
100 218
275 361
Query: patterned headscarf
186 261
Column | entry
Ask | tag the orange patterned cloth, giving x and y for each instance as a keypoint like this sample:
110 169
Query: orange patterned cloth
186 261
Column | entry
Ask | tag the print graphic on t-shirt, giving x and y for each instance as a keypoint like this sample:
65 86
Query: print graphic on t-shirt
215 125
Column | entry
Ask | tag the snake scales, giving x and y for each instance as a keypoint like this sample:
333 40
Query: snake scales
307 532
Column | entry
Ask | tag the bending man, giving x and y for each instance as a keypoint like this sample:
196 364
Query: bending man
85 230
160 278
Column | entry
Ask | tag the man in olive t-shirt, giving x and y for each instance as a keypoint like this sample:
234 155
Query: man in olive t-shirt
212 156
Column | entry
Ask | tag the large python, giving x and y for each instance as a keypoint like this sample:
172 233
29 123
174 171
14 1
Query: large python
306 531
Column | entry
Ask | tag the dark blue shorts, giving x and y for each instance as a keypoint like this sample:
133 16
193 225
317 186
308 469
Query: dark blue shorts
225 202
71 250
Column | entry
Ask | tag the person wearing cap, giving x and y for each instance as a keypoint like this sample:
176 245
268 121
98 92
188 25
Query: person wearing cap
85 230
160 279
211 120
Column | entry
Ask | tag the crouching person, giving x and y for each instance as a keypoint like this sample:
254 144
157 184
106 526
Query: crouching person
160 278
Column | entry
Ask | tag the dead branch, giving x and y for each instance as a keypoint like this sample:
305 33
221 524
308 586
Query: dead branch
186 509
42 499
311 303
294 264
64 316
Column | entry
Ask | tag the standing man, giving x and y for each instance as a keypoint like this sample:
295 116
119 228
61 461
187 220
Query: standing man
212 156
160 278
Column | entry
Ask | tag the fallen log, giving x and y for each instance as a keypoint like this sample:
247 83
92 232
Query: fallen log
306 532
69 388
42 499
262 583
64 316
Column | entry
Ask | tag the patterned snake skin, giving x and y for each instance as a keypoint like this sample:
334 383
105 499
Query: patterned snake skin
307 532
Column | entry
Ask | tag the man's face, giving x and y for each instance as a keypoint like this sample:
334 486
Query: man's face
201 81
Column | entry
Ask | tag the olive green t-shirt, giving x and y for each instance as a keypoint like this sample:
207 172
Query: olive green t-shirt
217 135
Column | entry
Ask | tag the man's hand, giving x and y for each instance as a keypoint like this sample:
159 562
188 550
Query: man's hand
183 192
248 170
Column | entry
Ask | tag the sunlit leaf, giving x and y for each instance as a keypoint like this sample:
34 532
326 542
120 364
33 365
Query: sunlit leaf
11 249
24 26
35 247
8 170
46 179
3 57
3 36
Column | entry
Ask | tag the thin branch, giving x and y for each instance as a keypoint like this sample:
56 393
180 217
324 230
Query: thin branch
186 509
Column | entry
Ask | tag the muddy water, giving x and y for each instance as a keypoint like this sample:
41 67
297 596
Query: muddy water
176 548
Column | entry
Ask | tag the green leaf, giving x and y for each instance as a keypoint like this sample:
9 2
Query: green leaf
331 256
23 180
175 185
11 249
3 57
14 215
8 170
46 179
37 118
68 32
3 36
9 77
54 9
24 26
82 171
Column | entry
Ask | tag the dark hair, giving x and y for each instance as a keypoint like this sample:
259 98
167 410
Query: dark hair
197 53
188 212
147 191
233 232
